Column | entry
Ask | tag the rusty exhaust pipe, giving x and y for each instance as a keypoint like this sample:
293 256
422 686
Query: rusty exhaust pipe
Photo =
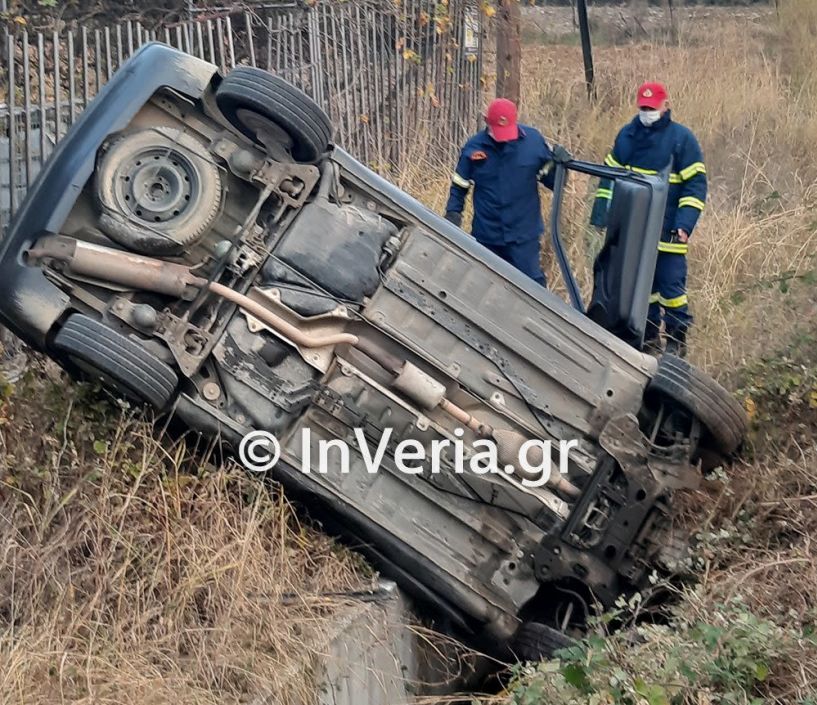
123 268
262 313
150 274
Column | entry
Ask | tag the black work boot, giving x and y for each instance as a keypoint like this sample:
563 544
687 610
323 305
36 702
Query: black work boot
677 343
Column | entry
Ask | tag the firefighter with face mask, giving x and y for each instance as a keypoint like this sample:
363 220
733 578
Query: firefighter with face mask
649 143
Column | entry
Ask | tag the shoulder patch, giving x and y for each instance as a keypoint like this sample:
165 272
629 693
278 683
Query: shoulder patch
478 155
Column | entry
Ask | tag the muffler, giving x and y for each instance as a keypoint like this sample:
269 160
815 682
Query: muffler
124 268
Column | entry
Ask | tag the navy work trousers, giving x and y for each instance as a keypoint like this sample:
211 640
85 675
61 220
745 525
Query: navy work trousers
669 293
522 255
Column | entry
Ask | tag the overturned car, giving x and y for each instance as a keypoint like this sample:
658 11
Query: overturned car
198 243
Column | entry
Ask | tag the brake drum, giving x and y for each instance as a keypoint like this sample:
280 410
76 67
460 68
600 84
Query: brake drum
158 189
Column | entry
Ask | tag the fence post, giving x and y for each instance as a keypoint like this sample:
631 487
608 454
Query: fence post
587 52
11 128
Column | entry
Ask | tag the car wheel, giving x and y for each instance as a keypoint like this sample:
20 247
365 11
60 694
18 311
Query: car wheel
268 110
158 191
720 414
534 641
117 361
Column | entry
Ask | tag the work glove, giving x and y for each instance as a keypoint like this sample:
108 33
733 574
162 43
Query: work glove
561 155
454 217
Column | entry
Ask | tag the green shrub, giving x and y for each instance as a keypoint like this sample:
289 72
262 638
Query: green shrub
719 655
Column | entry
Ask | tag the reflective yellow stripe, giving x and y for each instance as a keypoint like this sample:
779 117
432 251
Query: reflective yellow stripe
685 175
605 193
692 202
693 170
675 248
677 302
639 170
459 181
609 161
654 298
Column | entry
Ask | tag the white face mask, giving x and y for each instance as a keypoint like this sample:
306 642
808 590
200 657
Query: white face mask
648 117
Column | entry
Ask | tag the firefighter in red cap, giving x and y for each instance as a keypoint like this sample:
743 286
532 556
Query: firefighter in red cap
504 163
648 145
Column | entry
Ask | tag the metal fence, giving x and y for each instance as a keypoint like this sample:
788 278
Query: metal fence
400 80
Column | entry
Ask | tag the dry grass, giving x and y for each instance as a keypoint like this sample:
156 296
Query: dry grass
134 573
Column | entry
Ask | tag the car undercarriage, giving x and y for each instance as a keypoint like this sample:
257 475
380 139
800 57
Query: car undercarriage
219 259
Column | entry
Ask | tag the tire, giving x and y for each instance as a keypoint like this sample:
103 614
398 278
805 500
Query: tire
534 641
116 360
158 191
718 411
247 88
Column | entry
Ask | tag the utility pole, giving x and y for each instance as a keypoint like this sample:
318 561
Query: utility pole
587 51
672 28
508 50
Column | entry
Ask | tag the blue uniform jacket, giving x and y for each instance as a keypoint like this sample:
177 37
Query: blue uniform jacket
506 178
649 150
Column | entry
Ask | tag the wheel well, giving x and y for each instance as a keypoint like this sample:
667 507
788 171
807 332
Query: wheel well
563 604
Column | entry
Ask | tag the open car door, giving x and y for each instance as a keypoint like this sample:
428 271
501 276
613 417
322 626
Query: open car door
624 268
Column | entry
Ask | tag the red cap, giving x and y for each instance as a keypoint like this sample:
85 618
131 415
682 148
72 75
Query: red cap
501 119
651 95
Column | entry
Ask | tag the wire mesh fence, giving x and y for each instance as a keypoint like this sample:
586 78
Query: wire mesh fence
400 80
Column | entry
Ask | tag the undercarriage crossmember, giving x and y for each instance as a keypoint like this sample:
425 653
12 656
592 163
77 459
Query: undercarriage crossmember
611 540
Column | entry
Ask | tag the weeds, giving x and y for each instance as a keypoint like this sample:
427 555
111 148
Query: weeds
133 571
725 656
780 393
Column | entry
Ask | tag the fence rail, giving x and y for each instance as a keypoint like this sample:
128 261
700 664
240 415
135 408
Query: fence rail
399 80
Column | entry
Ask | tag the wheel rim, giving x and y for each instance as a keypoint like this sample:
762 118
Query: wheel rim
157 185
158 190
